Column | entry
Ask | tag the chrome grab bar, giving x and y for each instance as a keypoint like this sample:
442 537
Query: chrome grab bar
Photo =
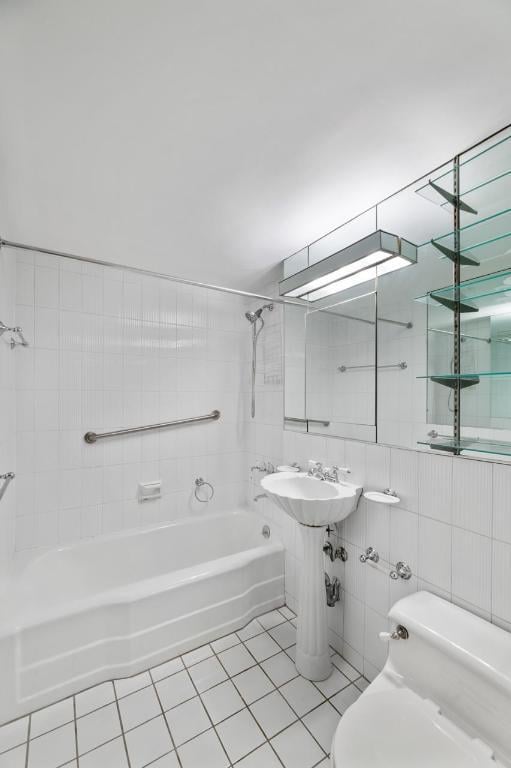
92 437
6 480
343 368
304 421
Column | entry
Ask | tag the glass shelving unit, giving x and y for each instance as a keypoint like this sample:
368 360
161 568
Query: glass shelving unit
469 345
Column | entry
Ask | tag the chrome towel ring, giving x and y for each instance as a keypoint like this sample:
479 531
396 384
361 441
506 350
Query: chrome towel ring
199 483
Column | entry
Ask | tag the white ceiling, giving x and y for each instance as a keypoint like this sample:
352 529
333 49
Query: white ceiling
211 138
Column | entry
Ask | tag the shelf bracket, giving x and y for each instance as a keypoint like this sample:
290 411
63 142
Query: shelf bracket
453 304
454 200
453 383
453 256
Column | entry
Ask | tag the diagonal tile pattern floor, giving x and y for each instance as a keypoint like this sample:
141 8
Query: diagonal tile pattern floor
238 701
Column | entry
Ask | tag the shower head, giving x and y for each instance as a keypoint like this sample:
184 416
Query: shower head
253 316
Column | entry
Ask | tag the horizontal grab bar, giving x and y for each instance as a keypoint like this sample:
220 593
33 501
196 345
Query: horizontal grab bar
343 368
92 437
304 421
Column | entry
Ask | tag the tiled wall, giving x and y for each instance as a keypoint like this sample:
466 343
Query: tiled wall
109 349
7 406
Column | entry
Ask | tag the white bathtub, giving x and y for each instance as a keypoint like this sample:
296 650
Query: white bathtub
114 606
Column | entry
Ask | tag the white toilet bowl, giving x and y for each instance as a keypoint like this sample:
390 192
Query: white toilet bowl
443 699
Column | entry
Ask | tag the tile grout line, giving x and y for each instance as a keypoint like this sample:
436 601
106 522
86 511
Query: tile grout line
76 732
165 720
122 728
29 727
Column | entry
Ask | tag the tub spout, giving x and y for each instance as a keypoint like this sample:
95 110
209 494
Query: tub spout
260 496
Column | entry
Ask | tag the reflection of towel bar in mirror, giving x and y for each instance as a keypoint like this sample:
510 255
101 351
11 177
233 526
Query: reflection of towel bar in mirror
324 422
343 368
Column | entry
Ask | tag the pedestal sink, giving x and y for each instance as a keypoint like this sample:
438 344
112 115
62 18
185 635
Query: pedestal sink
313 503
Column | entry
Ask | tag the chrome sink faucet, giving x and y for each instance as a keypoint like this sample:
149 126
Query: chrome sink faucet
333 474
266 466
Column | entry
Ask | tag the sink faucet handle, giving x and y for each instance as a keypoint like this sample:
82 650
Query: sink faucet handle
314 466
341 471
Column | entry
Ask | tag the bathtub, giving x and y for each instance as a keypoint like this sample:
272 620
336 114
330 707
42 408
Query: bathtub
116 605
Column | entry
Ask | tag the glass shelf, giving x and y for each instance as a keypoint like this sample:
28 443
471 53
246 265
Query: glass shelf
471 375
487 292
473 445
482 240
485 178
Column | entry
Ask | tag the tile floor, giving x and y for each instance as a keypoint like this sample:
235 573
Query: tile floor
237 701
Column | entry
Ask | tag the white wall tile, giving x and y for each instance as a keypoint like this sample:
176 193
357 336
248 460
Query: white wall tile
472 495
471 568
501 593
502 502
404 477
435 552
435 486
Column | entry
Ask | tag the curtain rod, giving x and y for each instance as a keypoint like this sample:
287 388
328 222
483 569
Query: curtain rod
150 273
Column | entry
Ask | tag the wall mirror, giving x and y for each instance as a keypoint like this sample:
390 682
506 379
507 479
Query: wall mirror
401 328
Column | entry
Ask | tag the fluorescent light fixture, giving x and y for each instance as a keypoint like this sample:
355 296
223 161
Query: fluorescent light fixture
377 254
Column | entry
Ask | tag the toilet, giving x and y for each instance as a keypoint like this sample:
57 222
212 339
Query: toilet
443 698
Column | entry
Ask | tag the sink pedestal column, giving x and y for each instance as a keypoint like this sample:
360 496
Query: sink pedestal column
312 649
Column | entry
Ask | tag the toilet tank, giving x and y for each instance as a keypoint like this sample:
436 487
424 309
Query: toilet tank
459 661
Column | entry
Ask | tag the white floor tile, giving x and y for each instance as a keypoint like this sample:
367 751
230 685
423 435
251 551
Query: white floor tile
193 657
240 734
333 684
273 713
271 619
225 642
14 758
236 659
280 668
167 669
174 690
252 684
138 707
322 723
302 695
291 652
296 747
94 698
361 683
207 673
127 685
52 749
52 717
167 761
97 727
252 629
284 634
111 755
263 757
262 647
13 734
205 750
287 612
345 698
187 720
223 701
342 665
148 741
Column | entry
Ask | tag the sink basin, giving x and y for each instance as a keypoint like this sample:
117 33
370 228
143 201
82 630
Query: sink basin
311 501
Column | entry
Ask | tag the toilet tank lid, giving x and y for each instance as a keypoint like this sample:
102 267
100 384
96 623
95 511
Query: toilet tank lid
468 639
